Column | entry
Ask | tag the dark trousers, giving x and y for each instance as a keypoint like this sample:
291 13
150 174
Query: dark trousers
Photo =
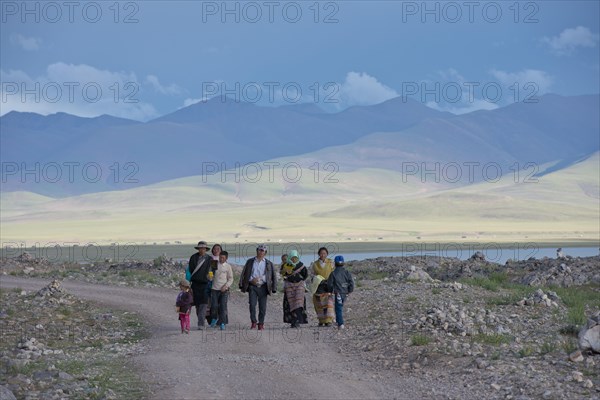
200 300
258 294
218 306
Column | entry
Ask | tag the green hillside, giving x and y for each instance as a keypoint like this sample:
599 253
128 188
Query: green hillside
366 204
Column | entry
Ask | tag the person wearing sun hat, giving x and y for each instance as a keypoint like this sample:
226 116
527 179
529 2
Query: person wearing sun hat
294 302
199 266
259 281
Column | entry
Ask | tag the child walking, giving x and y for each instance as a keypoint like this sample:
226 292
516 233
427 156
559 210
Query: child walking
221 283
340 283
185 300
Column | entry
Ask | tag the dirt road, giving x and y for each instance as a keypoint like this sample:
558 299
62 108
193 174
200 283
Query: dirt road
241 363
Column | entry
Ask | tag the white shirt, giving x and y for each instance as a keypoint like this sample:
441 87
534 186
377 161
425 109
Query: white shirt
258 271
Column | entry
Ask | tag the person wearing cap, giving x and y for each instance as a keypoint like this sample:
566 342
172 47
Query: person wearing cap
259 281
341 284
183 304
323 300
199 267
294 274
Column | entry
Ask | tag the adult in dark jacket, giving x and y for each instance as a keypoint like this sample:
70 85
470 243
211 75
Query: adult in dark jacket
199 266
259 281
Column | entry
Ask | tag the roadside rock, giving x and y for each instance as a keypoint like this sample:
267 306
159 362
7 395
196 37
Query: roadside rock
6 393
548 299
589 335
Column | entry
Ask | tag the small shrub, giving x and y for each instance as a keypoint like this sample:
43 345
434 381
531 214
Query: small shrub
419 340
569 330
569 346
495 339
526 351
576 315
547 347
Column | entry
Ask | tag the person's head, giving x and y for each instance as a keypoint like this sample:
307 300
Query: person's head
261 251
294 258
339 261
323 253
284 258
202 247
216 249
184 284
223 257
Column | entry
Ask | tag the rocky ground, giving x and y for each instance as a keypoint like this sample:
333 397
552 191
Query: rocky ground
57 346
490 327
458 329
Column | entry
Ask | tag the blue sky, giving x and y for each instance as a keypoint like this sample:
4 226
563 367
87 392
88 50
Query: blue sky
141 60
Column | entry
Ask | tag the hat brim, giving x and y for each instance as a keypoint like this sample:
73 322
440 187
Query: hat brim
202 247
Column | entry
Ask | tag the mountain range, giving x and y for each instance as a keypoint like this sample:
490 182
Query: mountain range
399 134
384 172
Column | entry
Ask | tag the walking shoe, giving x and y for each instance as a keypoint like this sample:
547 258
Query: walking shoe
200 327
253 326
213 323
187 331
328 324
341 326
261 327
222 327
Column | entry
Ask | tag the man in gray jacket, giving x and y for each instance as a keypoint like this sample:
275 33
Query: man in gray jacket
259 280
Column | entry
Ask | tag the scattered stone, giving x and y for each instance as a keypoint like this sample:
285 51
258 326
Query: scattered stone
6 393
576 356
589 335
417 274
548 299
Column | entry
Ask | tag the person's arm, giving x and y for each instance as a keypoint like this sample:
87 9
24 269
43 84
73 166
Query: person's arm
243 275
274 279
350 282
189 298
229 276
330 283
304 273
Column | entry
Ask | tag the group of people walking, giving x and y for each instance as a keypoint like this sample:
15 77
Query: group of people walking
211 279
207 284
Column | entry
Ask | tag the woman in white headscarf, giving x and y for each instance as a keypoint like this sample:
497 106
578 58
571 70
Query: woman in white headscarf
294 303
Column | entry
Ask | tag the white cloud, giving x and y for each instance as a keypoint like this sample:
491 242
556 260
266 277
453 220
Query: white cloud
360 88
171 89
541 80
464 107
188 102
571 38
80 90
453 93
26 43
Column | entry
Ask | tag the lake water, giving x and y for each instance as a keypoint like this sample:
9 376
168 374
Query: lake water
492 253
239 253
